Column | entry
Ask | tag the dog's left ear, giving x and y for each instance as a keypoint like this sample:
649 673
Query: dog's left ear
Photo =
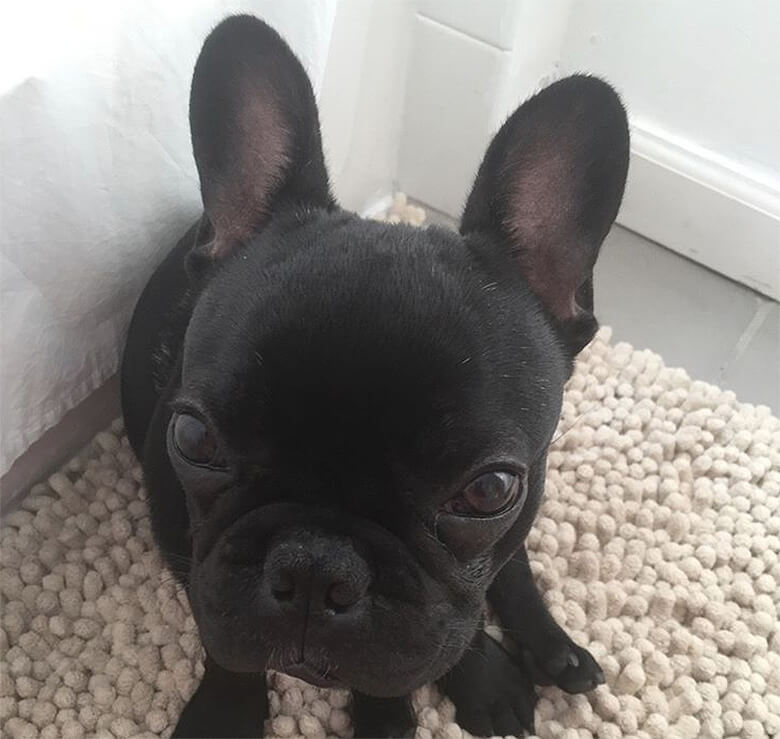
549 189
255 131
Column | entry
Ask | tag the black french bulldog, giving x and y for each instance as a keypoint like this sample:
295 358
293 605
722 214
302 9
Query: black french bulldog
343 424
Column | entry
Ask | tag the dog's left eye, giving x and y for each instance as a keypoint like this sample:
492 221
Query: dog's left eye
195 442
490 493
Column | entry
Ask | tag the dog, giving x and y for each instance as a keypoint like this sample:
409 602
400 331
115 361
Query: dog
343 424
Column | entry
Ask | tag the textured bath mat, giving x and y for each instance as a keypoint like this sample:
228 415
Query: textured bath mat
658 547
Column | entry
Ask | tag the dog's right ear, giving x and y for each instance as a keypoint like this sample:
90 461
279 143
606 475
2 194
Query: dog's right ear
255 131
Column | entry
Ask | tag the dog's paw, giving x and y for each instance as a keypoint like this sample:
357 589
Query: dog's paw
492 693
381 718
225 704
557 660
198 721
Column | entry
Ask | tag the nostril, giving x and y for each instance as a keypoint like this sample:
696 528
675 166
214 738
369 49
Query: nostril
282 586
341 596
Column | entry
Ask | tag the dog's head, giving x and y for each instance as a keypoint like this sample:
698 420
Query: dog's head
364 409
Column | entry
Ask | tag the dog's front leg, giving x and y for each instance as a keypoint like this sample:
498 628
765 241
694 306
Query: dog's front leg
492 693
549 653
226 704
381 718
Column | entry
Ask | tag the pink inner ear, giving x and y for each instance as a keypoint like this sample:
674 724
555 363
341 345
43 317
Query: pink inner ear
541 217
260 143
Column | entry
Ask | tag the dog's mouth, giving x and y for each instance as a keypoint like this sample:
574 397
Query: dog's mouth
321 677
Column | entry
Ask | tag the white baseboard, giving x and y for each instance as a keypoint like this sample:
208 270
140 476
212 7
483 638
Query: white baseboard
713 211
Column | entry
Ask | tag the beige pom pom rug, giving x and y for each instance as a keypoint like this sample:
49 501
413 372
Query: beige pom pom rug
658 548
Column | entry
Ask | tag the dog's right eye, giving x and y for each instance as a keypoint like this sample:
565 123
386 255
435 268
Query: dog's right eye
195 442
488 494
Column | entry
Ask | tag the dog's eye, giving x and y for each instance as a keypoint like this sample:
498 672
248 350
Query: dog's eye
486 495
195 442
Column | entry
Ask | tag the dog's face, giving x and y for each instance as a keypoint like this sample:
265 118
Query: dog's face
364 410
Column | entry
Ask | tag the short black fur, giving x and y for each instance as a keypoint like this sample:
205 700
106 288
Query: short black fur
345 383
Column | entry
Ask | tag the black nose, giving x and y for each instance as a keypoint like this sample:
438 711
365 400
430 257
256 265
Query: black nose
288 585
318 571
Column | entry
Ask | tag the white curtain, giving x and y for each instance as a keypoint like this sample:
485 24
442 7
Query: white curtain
97 179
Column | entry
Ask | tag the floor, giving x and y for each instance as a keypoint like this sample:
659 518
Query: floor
718 330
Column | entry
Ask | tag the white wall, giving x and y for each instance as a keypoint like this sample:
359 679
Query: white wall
701 81
462 61
704 71
361 100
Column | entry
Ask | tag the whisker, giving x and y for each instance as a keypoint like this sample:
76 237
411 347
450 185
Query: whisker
574 424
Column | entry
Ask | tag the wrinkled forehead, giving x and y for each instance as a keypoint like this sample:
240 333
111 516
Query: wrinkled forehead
344 331
339 340
338 284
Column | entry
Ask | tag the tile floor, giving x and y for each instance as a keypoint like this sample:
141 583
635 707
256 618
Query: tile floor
719 331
